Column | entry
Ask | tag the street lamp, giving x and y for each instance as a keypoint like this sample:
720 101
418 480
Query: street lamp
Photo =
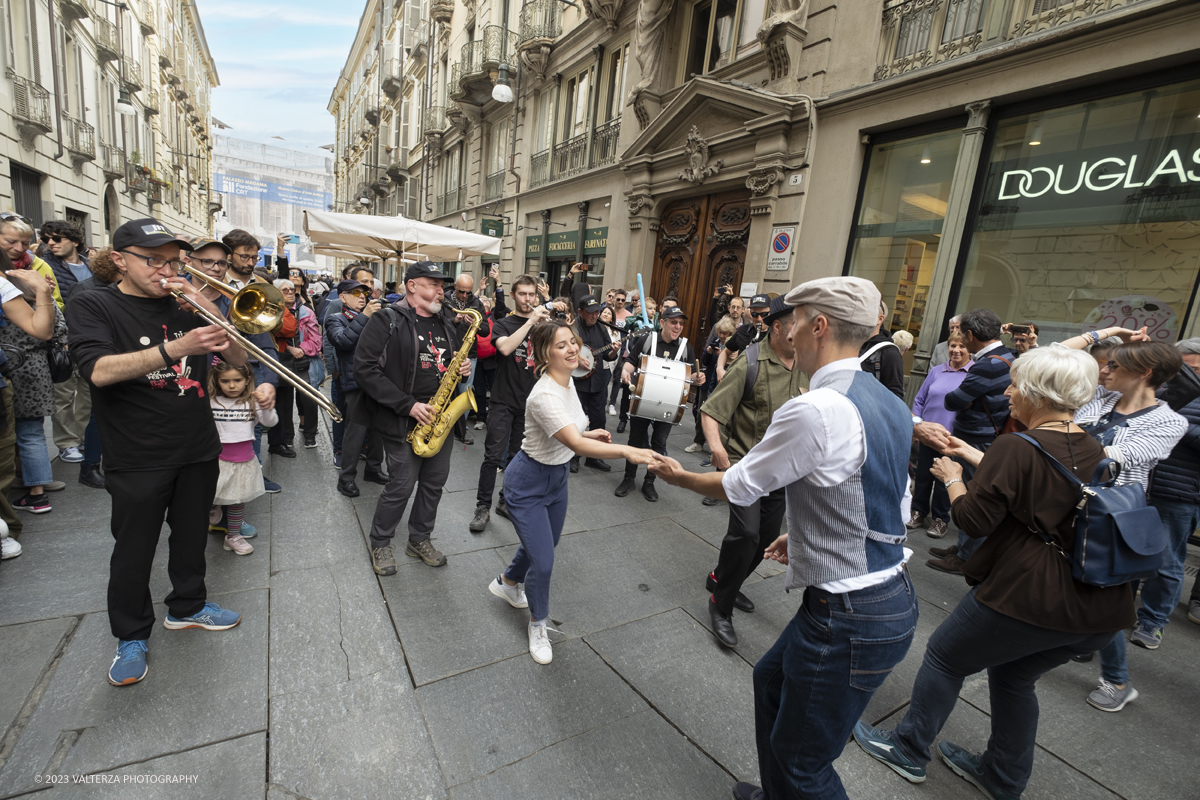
502 92
125 104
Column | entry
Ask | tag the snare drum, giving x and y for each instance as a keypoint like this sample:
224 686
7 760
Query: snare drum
661 390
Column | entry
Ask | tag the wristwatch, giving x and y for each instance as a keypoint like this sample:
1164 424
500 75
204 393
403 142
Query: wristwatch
917 420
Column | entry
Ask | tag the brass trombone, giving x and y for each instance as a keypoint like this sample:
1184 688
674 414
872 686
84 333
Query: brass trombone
255 308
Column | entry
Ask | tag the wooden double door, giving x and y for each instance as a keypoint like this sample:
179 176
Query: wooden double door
701 245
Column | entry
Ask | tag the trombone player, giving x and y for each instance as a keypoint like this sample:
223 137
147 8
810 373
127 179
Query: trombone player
146 361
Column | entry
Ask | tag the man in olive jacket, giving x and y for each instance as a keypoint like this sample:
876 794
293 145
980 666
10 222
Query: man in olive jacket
403 354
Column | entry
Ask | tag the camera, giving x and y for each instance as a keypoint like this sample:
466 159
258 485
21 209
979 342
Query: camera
554 312
1018 329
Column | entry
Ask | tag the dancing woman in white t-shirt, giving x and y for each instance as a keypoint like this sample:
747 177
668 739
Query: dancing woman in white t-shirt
535 482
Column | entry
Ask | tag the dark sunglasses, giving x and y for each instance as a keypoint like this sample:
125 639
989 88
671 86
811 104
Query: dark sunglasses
8 216
55 239
759 314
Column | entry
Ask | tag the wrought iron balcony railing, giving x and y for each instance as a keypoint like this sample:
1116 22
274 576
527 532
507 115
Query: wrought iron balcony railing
570 157
539 169
112 161
604 143
434 120
108 43
493 186
31 105
541 20
80 139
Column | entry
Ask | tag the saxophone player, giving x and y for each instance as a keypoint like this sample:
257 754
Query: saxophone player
403 354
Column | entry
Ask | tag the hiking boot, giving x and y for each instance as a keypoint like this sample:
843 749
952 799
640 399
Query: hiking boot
937 529
624 487
480 520
426 552
877 743
917 520
1146 636
952 564
129 665
383 561
968 767
943 552
1107 697
502 509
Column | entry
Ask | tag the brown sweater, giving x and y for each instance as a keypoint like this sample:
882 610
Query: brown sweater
1017 573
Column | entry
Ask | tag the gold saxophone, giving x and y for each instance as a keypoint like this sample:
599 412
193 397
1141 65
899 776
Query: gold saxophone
427 440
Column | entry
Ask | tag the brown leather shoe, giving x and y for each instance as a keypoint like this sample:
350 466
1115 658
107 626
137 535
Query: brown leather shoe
952 564
937 529
942 552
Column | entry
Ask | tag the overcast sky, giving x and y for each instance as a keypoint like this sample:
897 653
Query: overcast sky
278 63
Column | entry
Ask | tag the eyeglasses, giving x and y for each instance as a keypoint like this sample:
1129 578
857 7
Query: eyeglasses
359 293
156 263
294 274
244 257
205 262
285 290
759 314
9 216
1111 365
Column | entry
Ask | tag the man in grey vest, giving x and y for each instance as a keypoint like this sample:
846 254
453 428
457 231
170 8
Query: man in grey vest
844 441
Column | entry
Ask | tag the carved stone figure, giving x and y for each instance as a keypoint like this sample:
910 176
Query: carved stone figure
651 31
696 151
793 11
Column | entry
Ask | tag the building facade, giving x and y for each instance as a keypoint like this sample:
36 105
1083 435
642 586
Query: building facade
104 114
264 189
1039 157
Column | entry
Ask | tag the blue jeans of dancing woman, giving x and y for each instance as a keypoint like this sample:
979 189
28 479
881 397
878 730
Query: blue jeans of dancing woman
536 495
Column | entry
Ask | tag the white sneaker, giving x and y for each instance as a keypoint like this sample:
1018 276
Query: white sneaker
539 643
513 595
71 455
612 410
694 447
238 545
9 548
480 426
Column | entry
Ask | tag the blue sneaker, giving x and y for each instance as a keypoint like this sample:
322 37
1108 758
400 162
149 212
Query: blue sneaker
212 618
1147 636
337 460
877 742
129 665
248 530
271 486
706 462
969 769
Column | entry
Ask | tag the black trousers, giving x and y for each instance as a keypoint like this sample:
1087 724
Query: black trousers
638 435
623 389
483 384
701 396
357 441
140 500
751 529
505 432
593 406
285 397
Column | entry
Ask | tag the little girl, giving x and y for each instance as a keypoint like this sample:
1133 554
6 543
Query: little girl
230 391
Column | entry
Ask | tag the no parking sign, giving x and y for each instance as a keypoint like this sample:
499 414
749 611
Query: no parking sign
779 256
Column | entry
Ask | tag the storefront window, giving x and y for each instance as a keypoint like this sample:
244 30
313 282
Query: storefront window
1089 216
899 223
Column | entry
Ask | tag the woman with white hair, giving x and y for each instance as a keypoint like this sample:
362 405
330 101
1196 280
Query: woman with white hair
295 353
1025 614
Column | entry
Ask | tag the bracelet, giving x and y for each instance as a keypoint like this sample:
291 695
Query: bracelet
167 360
953 480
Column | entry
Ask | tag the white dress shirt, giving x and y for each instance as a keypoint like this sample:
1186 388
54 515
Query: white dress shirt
816 437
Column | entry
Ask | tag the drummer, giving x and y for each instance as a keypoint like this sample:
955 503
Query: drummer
668 344
592 388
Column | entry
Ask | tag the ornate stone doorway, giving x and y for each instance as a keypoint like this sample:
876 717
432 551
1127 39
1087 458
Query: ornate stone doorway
701 245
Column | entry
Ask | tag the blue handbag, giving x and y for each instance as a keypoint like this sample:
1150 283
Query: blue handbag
1118 538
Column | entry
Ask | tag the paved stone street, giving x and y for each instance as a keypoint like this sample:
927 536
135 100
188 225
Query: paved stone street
339 684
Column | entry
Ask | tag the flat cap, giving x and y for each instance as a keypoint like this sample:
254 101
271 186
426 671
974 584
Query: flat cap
850 299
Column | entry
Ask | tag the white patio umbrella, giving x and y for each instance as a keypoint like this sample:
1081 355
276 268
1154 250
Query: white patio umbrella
392 238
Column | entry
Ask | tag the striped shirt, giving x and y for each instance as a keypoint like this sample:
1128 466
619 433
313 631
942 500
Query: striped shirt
1139 442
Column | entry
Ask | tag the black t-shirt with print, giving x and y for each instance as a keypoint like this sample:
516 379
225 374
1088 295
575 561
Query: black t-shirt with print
516 373
160 420
434 353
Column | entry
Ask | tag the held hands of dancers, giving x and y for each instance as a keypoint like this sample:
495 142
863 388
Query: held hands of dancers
599 435
957 448
667 468
639 455
932 435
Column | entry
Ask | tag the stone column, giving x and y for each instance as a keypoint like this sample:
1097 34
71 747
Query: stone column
545 242
957 208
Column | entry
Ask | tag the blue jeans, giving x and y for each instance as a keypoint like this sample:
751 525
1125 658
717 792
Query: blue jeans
536 495
1015 654
31 444
966 544
316 372
926 483
1162 593
814 683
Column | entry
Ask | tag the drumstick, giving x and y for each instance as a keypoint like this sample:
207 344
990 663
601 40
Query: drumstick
642 297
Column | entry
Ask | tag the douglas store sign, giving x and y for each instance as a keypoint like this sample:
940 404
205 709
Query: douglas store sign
1148 181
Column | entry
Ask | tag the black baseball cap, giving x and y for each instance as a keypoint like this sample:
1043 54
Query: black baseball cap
349 286
589 303
759 301
424 269
779 308
673 312
146 232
